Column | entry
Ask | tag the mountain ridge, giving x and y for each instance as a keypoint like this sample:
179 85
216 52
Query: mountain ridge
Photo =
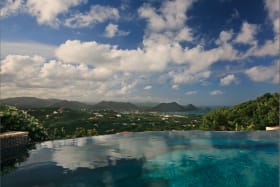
172 107
34 102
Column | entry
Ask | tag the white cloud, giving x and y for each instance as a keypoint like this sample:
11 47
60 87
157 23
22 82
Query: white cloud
175 87
126 88
247 33
57 12
191 92
269 48
264 73
112 30
155 56
148 87
36 76
224 37
21 66
227 80
36 71
152 58
27 48
11 7
186 76
97 14
47 11
75 51
92 68
171 15
272 6
216 92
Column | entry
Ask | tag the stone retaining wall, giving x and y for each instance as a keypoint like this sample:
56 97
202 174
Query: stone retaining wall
13 139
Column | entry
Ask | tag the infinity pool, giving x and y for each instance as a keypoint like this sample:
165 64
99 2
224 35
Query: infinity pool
153 159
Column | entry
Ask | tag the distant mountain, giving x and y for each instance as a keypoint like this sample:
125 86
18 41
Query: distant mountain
33 102
190 107
115 106
70 104
29 102
168 107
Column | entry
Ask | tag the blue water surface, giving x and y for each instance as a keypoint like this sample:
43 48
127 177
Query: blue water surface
153 159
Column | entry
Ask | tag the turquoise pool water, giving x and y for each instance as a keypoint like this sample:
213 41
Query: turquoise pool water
153 159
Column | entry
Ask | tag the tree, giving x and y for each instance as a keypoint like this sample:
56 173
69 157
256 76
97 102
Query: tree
13 119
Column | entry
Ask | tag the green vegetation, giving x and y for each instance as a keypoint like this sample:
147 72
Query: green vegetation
172 107
63 122
68 123
13 119
251 115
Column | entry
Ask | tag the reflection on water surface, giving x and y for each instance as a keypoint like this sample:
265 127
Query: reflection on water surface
191 158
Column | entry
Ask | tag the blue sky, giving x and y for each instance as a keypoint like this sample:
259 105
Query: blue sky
218 52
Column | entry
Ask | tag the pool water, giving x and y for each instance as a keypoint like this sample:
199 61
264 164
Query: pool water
154 159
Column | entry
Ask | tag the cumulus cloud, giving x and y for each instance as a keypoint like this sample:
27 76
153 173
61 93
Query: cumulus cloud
227 80
35 70
20 75
187 76
109 70
75 51
172 15
264 73
152 58
193 92
97 14
272 6
11 7
175 87
269 48
148 87
247 34
216 92
112 30
47 11
21 67
56 13
224 37
155 56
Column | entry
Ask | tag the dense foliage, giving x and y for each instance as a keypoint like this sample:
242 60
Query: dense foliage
251 115
61 123
13 119
68 123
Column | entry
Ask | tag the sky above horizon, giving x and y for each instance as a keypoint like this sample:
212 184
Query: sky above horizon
218 52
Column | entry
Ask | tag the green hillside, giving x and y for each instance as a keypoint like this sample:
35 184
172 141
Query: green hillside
172 107
33 102
250 115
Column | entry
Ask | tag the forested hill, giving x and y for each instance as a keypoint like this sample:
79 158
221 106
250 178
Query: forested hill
33 102
36 103
172 107
251 115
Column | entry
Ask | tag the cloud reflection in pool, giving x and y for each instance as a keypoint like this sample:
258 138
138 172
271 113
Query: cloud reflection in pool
155 158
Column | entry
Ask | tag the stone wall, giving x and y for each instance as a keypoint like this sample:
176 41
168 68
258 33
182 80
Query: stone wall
13 139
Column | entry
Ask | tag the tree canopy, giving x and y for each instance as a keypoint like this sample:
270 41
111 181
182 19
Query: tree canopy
250 115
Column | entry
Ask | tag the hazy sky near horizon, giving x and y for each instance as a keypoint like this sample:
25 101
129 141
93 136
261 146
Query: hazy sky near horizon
205 52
